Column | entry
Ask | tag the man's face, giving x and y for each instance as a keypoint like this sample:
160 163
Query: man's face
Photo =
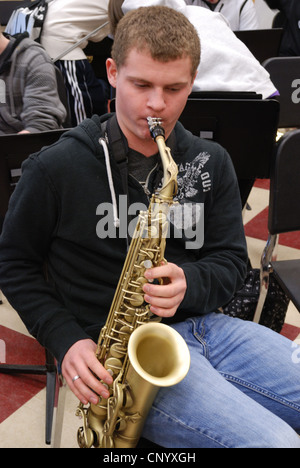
147 87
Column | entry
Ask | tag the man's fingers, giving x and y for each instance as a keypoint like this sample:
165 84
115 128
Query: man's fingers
83 372
83 390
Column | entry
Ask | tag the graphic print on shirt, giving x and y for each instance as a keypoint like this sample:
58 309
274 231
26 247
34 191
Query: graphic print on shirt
187 217
188 177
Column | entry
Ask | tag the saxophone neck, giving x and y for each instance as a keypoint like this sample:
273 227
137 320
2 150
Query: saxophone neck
169 185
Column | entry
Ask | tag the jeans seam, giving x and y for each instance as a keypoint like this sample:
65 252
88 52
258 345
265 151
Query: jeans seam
261 391
200 337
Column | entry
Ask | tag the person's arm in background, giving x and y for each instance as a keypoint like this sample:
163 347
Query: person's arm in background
42 109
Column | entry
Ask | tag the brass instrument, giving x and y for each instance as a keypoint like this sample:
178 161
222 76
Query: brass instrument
141 354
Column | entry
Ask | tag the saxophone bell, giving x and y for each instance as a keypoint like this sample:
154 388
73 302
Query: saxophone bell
146 347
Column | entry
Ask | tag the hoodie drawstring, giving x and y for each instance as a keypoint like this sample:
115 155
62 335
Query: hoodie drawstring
110 182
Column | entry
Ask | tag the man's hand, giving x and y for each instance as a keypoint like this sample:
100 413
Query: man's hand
165 298
80 360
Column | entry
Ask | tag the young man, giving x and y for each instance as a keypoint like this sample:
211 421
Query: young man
240 14
31 101
242 388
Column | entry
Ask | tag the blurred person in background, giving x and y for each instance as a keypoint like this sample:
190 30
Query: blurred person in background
66 23
30 101
226 63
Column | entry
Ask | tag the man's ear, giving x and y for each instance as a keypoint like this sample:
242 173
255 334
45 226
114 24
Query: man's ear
111 70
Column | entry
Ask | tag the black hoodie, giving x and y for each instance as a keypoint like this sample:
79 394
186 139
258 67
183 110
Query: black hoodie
56 215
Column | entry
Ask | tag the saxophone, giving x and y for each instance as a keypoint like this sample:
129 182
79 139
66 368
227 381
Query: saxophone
140 353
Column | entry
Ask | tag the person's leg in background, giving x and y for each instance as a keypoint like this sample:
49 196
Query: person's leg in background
87 94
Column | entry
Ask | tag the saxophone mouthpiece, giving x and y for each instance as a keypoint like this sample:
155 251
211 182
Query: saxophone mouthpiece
155 127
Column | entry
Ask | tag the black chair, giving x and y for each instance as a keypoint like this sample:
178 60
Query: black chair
224 95
284 216
284 73
246 128
262 43
14 149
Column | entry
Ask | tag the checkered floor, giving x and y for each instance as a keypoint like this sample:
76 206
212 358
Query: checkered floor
22 398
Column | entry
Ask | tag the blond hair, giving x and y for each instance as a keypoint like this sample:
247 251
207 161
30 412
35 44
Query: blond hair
164 32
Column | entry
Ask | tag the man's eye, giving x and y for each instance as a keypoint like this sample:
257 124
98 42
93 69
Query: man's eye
141 85
174 90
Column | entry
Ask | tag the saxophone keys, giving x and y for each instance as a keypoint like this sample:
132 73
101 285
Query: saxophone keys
129 318
85 437
114 364
136 300
150 254
117 350
152 232
125 331
147 264
141 281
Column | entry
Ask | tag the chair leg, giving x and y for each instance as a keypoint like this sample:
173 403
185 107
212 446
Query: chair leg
51 384
50 399
265 275
59 410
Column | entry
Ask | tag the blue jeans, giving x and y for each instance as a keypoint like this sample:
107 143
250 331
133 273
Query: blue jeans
242 389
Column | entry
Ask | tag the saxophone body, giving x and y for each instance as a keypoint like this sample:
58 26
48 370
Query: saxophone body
141 354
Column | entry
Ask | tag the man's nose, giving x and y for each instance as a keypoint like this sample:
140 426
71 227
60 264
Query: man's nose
156 100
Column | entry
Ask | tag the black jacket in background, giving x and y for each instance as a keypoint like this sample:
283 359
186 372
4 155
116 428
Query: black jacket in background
290 45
